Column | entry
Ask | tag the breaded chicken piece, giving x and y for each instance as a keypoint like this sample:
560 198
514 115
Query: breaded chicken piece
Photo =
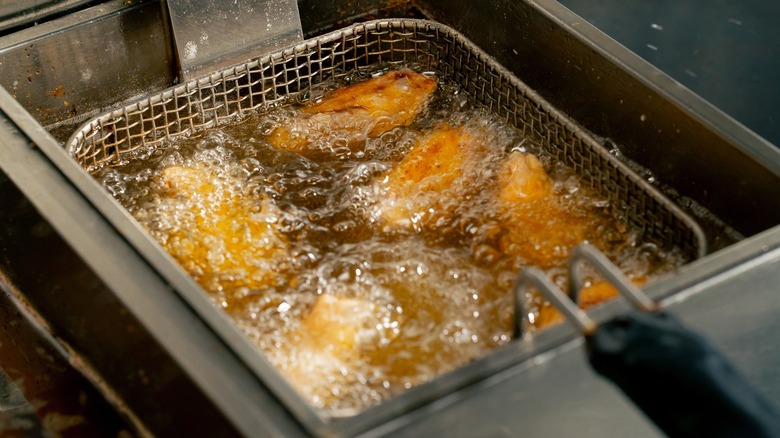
413 187
339 324
356 112
328 341
523 178
224 240
539 229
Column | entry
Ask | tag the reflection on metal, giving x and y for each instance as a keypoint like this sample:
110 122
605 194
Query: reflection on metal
212 34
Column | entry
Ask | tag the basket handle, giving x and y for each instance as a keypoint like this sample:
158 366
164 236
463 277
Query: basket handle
674 375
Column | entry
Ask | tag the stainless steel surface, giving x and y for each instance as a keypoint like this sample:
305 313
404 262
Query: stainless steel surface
727 51
690 146
213 34
19 14
64 70
41 392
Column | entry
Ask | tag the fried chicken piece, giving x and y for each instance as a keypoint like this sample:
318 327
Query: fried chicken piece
339 324
414 186
522 178
539 228
356 112
222 238
327 341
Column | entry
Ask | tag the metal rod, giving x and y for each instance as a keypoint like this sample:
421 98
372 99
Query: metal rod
588 253
537 278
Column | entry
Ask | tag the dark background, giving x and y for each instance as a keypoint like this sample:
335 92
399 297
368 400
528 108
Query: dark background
726 51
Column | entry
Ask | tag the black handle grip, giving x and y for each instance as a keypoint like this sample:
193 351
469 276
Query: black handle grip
678 378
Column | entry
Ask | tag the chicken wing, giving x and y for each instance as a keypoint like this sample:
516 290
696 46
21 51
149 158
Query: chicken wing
540 230
354 113
522 178
223 239
328 342
414 187
339 324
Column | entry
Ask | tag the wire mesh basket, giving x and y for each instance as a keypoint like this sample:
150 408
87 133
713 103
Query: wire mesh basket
265 83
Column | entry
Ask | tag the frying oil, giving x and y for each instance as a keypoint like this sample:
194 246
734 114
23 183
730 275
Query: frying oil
350 308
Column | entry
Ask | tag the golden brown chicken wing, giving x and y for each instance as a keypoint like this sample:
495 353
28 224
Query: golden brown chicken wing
540 229
523 178
339 324
414 187
223 239
354 113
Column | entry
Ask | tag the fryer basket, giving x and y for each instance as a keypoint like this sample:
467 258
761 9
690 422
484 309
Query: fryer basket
270 81
262 84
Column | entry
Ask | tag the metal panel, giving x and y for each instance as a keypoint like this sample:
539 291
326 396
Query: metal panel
212 34
108 54
16 15
40 392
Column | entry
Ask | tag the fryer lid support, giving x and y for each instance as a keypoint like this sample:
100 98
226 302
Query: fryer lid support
213 34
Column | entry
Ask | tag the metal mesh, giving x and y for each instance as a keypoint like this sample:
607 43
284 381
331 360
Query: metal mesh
262 84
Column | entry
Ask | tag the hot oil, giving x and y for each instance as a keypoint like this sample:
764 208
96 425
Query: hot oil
352 303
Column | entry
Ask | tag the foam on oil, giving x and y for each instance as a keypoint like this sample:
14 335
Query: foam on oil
272 231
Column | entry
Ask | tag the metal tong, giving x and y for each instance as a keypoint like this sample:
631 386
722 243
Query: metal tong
680 380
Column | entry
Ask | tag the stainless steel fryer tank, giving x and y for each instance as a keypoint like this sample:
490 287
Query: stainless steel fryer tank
66 221
231 94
